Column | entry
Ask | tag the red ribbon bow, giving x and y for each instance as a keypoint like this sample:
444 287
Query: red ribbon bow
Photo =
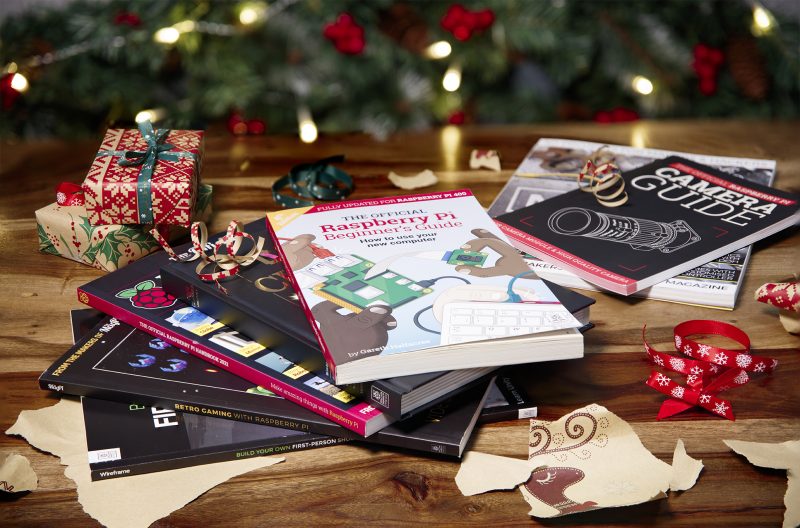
69 194
225 264
709 369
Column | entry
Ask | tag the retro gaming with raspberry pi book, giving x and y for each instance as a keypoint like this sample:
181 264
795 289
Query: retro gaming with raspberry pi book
413 284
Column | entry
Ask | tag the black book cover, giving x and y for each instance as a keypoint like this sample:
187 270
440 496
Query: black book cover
260 300
460 412
117 362
134 295
508 399
679 215
131 439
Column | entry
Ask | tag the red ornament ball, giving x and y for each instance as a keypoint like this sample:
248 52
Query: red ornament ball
346 35
237 125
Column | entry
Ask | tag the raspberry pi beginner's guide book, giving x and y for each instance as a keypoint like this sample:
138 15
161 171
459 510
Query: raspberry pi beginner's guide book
411 284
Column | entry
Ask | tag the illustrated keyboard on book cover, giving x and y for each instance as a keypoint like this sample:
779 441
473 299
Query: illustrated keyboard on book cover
470 321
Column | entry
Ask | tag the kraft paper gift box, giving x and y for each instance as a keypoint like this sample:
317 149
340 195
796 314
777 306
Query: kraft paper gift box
65 230
144 176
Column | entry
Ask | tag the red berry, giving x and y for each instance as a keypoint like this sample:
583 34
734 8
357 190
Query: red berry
708 86
701 51
470 20
256 127
603 117
456 118
462 33
485 19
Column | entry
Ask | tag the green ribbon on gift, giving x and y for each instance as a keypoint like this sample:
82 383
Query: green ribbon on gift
147 159
317 181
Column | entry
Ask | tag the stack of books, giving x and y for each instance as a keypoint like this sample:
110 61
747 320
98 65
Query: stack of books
390 321
381 321
714 282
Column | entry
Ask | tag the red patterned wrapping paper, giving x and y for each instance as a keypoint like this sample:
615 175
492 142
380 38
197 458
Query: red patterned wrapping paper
111 190
65 230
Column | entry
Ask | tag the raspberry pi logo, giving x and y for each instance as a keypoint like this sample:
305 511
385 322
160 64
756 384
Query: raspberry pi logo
148 296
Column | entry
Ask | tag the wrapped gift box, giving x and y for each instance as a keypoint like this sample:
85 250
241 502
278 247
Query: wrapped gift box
65 230
144 176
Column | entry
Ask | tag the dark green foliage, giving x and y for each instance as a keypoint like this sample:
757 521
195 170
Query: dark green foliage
538 58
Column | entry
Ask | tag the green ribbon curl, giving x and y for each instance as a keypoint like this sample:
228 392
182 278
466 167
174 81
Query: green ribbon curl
315 181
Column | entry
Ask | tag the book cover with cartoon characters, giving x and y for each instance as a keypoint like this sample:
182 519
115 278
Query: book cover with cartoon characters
391 276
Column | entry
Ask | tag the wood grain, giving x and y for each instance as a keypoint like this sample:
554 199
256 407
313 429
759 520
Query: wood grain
361 485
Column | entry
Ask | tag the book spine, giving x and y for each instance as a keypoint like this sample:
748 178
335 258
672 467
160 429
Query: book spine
128 470
329 360
50 383
380 395
263 419
351 421
507 413
419 445
230 313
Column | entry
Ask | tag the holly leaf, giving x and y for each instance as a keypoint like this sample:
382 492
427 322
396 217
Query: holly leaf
145 285
45 245
87 228
134 236
127 294
66 245
203 202
91 253
126 235
109 248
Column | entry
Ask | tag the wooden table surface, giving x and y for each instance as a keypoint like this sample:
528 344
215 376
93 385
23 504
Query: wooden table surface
356 485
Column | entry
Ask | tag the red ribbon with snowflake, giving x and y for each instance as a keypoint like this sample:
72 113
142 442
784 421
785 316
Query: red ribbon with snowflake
709 370
225 264
69 194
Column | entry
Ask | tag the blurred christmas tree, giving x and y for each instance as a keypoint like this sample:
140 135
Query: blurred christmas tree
384 65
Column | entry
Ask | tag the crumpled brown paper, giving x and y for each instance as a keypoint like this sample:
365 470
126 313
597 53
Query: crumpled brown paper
481 472
586 460
425 178
129 502
484 159
16 474
786 456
